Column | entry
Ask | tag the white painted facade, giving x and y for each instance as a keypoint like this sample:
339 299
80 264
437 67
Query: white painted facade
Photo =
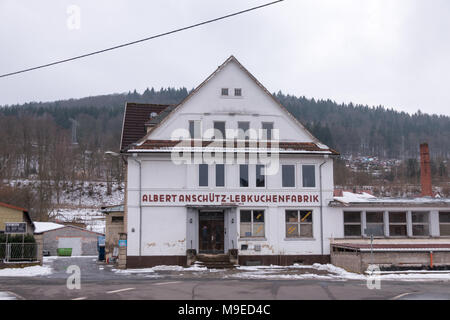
170 228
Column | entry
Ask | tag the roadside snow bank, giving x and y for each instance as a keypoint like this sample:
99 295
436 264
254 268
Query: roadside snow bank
26 272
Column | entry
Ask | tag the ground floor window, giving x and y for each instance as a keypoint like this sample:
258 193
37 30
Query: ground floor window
252 223
299 224
420 224
374 224
352 224
444 223
397 224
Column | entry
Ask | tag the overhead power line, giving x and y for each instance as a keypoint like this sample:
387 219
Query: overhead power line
139 41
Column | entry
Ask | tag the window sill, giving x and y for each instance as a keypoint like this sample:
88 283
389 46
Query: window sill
252 239
299 239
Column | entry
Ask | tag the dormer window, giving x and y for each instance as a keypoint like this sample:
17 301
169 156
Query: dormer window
238 92
225 92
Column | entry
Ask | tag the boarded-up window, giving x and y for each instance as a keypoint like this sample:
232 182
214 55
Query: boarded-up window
252 223
299 224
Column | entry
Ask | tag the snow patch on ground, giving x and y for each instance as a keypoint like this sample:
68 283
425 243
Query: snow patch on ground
26 272
7 296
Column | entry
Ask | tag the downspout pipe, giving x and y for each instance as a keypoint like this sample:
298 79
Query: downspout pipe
321 203
139 162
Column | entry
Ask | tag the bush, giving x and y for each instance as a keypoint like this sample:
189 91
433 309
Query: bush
17 238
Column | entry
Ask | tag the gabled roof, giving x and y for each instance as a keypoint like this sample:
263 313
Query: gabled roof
134 121
12 207
25 212
46 226
230 59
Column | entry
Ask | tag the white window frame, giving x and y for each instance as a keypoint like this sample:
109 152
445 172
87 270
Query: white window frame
271 131
224 175
198 176
224 135
295 175
443 223
238 96
265 176
224 95
420 223
199 128
361 231
299 223
383 223
252 237
248 175
315 175
398 223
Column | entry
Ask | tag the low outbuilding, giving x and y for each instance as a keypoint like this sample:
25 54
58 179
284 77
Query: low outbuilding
82 242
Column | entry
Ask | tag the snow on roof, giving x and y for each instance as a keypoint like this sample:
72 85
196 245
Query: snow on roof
46 226
366 198
348 197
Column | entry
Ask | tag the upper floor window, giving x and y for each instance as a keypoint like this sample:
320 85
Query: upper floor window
288 175
420 225
238 92
309 176
224 91
260 177
444 223
220 175
243 127
194 129
203 175
267 128
352 224
219 129
243 175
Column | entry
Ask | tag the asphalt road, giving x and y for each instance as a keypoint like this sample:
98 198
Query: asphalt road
99 282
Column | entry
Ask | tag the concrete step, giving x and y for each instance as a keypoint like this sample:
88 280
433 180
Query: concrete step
213 258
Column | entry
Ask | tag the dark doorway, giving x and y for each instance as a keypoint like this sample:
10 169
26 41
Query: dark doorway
211 232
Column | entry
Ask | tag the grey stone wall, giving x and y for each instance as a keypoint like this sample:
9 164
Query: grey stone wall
88 240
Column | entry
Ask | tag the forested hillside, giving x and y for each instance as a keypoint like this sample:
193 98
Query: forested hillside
36 142
351 129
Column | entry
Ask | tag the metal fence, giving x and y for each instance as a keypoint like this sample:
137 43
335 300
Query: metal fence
18 252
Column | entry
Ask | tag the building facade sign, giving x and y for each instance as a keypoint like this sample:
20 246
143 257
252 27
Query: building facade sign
227 198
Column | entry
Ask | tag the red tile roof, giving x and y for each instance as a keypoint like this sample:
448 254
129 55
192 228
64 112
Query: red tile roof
283 146
12 207
135 117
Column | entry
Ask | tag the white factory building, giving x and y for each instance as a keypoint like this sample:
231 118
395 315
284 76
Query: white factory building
228 171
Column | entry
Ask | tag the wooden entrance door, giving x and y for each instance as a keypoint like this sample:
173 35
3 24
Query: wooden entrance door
211 232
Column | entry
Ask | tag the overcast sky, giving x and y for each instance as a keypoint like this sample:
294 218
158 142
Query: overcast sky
394 53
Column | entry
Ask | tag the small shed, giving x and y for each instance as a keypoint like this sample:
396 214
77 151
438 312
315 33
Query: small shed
114 226
83 242
10 213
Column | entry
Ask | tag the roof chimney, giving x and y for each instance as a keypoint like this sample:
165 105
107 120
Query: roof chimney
425 170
